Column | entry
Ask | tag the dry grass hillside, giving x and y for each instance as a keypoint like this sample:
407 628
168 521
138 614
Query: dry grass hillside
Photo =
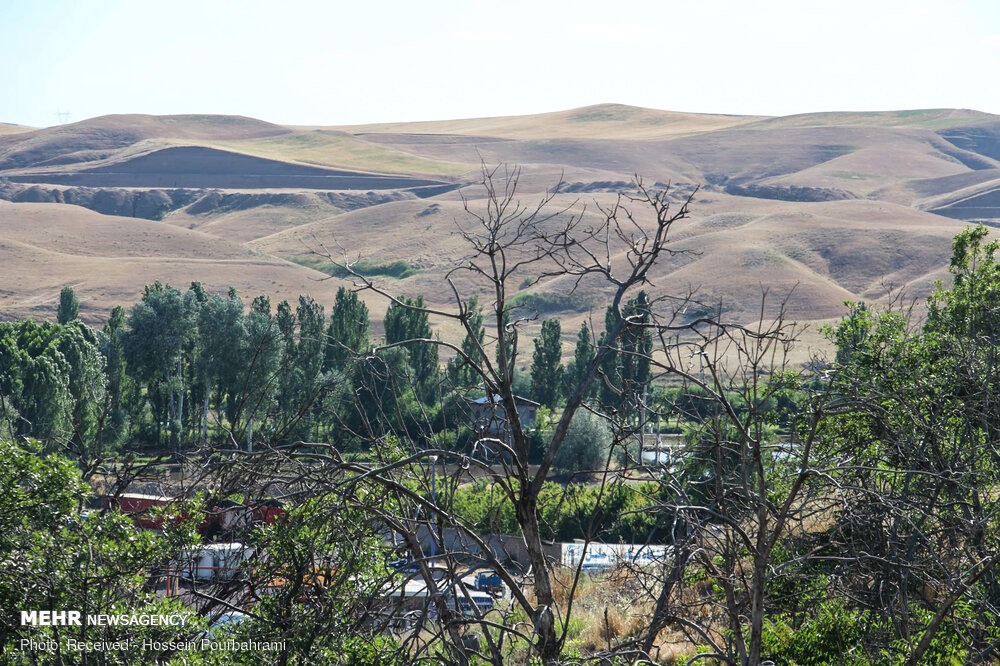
109 259
820 208
7 128
601 121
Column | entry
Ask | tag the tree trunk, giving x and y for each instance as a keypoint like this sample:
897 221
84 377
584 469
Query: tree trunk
180 395
547 644
204 415
757 610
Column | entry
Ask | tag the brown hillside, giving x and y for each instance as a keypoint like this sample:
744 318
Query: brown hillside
826 207
601 121
99 138
109 259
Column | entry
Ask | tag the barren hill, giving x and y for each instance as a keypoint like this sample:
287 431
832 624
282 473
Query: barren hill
826 207
600 121
109 259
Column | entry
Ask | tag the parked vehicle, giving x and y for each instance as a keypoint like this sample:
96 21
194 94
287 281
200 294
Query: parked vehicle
214 561
489 581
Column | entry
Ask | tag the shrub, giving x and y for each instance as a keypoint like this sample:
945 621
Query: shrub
586 445
546 302
395 269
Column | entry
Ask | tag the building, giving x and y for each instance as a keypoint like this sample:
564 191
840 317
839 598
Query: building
489 420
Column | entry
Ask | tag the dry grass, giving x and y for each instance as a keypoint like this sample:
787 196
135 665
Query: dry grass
601 121
7 128
108 260
336 149
815 254
610 609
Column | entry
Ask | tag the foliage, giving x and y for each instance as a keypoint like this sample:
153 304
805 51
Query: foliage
324 569
617 513
347 333
586 446
833 635
546 365
398 269
920 409
547 302
576 370
461 371
409 321
626 364
56 557
53 383
69 306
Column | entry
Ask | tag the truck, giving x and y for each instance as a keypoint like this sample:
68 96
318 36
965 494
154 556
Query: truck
489 581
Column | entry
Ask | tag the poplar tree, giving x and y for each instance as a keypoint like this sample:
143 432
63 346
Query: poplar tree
222 336
460 371
582 357
347 333
69 306
626 366
159 327
546 365
405 323
112 346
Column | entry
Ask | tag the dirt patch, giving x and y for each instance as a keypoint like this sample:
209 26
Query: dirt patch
199 167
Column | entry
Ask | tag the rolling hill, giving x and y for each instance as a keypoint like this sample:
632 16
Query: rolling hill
821 207
108 260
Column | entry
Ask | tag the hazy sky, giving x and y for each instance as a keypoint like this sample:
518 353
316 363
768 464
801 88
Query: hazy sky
340 62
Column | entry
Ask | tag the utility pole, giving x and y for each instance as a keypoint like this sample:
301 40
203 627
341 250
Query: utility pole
434 461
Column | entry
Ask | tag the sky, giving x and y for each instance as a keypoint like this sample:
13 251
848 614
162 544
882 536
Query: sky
333 62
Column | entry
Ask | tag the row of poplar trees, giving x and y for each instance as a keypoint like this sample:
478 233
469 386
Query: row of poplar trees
192 367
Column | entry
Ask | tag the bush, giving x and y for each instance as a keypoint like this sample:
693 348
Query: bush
832 636
547 302
398 269
586 446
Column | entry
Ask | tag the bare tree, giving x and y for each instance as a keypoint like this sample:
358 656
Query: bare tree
739 496
510 242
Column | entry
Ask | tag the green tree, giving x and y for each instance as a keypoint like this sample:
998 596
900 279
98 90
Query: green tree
347 334
586 446
917 414
259 378
608 372
583 355
969 307
461 372
546 365
54 382
284 319
69 307
159 329
57 557
222 331
87 383
636 346
34 382
325 568
410 322
111 341
307 363
625 366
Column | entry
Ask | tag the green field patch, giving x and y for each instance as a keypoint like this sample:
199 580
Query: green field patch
546 302
398 269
